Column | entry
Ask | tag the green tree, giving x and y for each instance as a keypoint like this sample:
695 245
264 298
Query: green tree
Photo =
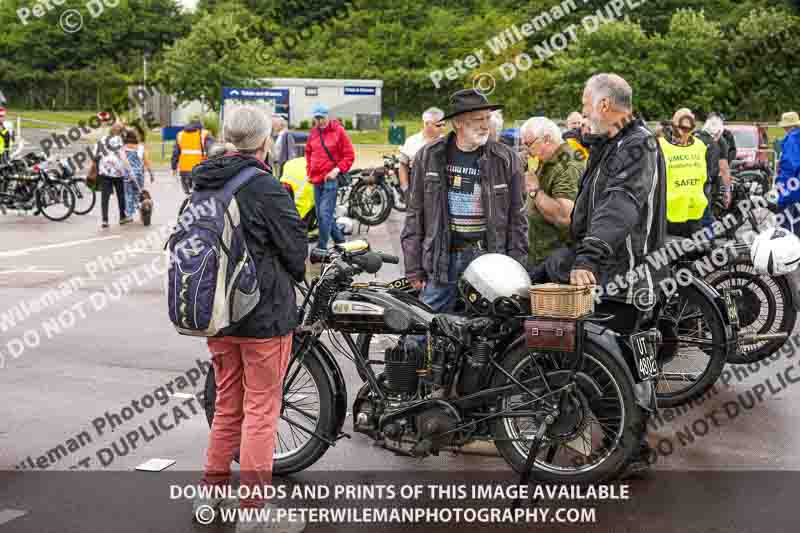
762 60
218 52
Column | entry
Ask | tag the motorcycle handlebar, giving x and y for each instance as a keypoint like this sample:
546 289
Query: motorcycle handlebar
390 259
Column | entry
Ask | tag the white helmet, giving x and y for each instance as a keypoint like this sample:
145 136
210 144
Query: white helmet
493 276
775 251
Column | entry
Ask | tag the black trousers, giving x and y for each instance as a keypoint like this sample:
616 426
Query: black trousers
186 182
118 187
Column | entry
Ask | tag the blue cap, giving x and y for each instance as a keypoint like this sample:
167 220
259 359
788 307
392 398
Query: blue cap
320 110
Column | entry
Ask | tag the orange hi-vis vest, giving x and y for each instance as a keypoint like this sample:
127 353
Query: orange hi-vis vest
192 145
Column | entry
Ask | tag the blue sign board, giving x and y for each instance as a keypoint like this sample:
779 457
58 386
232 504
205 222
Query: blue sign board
280 97
170 133
360 91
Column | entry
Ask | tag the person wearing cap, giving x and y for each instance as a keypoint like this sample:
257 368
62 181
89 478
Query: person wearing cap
789 172
329 153
6 137
432 129
250 360
465 200
191 147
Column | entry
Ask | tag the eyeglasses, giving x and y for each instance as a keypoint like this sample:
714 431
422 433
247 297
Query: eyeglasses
535 141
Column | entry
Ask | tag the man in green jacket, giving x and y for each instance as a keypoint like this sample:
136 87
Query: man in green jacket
554 170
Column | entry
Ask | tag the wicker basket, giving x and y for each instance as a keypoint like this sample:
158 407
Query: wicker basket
561 301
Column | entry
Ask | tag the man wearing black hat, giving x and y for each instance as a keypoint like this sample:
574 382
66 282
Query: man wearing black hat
465 199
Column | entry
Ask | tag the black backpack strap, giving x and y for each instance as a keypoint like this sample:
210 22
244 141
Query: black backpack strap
322 141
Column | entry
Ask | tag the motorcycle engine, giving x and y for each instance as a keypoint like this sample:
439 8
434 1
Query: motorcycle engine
413 371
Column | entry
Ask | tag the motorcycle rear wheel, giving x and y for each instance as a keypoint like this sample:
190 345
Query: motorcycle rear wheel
578 447
775 313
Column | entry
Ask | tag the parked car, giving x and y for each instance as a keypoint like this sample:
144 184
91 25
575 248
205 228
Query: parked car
752 144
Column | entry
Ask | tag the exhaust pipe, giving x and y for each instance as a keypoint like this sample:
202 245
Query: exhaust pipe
755 339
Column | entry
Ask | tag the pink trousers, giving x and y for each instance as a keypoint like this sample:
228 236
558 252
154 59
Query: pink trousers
249 376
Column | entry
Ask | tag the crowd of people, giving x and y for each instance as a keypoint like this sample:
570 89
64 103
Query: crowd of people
580 207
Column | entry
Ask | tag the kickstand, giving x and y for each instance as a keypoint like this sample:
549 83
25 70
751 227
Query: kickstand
534 451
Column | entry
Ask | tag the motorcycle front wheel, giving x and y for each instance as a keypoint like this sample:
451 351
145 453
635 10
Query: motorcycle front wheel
592 440
693 350
307 408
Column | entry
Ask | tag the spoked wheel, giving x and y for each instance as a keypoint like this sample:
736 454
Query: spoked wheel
371 203
85 198
56 201
765 309
693 350
308 403
597 429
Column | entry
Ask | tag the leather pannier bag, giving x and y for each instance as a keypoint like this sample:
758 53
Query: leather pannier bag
551 334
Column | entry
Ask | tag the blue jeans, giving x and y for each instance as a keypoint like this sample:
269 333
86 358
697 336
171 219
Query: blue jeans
325 208
132 199
441 297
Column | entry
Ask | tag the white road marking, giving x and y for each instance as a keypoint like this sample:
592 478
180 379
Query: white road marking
26 251
30 270
7 515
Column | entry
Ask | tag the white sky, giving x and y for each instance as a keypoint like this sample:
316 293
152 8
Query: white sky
191 4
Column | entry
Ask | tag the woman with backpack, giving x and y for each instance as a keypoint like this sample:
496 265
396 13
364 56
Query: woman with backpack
250 351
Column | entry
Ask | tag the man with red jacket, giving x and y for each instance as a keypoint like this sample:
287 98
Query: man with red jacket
329 153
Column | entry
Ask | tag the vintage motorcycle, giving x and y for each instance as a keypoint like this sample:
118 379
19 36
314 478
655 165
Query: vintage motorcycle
455 379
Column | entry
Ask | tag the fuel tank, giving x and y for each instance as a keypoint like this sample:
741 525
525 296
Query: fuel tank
371 310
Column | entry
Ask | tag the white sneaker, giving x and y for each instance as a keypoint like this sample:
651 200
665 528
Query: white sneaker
277 526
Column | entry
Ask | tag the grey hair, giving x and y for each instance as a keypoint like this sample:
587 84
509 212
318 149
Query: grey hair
247 127
540 127
432 114
613 87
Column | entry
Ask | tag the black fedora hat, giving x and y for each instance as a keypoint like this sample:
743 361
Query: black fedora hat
469 100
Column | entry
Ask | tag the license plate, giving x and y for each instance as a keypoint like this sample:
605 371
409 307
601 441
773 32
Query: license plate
733 312
644 356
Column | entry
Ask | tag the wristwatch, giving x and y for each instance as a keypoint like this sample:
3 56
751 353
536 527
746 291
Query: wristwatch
532 194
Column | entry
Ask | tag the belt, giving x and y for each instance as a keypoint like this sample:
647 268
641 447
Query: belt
461 247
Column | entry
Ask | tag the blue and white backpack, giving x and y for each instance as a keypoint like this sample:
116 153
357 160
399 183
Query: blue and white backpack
212 280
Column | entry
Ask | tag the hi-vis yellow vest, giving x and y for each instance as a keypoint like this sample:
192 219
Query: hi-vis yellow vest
294 173
686 176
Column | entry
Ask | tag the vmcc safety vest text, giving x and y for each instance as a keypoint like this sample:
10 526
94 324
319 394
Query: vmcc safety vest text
192 144
686 176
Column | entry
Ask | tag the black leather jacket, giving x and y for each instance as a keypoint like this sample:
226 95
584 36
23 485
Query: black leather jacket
619 216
